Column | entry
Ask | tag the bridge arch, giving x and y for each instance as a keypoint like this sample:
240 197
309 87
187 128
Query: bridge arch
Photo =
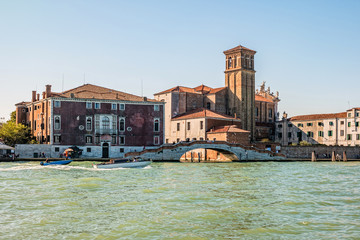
212 154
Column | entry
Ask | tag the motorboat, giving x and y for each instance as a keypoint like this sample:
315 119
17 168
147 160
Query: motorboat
123 163
61 162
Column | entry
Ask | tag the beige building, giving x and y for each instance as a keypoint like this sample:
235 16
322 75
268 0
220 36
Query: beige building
340 129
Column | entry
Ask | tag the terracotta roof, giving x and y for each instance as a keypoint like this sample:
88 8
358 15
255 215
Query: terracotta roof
318 116
89 91
216 90
356 108
227 128
177 89
237 49
203 113
203 89
262 99
22 103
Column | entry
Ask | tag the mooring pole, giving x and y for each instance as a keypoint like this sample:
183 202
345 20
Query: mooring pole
333 159
344 156
313 156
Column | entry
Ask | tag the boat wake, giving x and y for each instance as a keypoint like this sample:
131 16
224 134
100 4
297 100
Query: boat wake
26 166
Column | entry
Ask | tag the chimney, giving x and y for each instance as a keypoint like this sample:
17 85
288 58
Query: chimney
48 91
43 95
33 99
144 99
38 97
72 95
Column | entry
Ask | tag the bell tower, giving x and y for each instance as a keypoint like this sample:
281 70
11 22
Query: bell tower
240 82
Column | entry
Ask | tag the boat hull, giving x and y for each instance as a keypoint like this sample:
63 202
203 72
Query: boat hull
123 165
63 162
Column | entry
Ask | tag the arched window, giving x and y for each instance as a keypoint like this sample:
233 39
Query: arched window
156 125
88 123
122 124
57 124
106 123
230 62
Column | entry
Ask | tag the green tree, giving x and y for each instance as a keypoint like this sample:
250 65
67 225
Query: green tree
12 133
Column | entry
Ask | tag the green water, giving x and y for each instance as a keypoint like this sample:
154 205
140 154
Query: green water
269 200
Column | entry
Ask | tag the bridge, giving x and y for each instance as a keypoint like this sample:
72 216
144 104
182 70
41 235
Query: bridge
175 151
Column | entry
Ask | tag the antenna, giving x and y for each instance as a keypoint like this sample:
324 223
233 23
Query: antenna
84 78
142 88
62 84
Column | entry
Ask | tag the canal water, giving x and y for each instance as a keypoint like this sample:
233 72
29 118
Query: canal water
261 200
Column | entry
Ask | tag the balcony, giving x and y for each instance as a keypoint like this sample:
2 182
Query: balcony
102 131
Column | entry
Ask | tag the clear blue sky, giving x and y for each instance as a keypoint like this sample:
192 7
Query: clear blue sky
307 50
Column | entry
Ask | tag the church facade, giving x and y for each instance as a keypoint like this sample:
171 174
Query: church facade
237 104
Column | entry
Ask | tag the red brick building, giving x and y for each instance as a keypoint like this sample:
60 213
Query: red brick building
103 121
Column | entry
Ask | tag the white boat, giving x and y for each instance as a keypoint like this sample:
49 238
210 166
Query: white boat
123 163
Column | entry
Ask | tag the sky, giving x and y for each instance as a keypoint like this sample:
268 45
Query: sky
307 50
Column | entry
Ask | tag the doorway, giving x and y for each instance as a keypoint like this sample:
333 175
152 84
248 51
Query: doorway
105 150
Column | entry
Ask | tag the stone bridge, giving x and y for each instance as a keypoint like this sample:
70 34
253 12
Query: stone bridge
175 151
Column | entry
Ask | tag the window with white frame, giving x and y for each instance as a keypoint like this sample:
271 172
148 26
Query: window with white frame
57 104
156 140
97 105
156 107
57 138
156 125
97 121
105 122
89 105
88 123
113 106
121 124
57 123
122 106
113 139
114 122
88 139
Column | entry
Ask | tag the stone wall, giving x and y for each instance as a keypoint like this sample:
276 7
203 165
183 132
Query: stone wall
304 152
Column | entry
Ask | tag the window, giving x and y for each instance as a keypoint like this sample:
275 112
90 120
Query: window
122 124
97 139
357 136
97 105
349 114
270 113
280 135
88 149
321 134
57 149
156 140
290 125
97 121
349 137
113 106
122 106
121 140
280 126
342 133
349 124
201 124
357 114
230 62
320 124
156 125
188 126
299 134
309 124
89 105
122 150
208 105
56 104
88 139
356 124
310 134
35 125
88 123
289 134
300 125
330 133
113 139
105 123
156 107
331 123
178 140
57 138
57 124
342 122
178 127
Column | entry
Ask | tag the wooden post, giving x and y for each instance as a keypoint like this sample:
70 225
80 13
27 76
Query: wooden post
333 159
313 156
344 156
